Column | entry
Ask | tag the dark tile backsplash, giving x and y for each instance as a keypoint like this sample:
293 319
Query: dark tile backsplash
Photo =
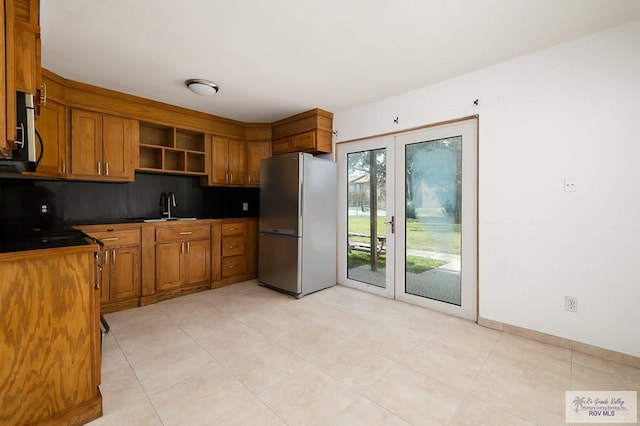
85 202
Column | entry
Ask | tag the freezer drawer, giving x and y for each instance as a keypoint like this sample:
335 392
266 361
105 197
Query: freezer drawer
279 264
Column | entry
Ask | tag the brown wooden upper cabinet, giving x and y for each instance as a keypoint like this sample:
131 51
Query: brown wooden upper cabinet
227 161
309 131
20 68
256 151
52 127
101 146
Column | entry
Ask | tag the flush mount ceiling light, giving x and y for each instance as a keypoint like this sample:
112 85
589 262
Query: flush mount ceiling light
202 87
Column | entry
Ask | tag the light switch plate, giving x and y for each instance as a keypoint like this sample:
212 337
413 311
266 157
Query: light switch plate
245 207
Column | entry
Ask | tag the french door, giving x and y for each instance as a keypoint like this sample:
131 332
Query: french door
408 205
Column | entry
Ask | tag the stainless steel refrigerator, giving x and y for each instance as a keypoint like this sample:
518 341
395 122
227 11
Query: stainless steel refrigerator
298 209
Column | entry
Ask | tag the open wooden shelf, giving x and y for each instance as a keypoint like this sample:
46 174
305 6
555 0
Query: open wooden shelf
167 149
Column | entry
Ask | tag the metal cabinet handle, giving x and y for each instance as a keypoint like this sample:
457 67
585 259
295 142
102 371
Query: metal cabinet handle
181 248
233 266
113 256
106 168
188 247
106 257
111 239
185 233
234 245
64 166
99 169
43 94
96 283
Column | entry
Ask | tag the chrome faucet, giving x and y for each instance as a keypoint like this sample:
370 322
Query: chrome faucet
167 199
171 199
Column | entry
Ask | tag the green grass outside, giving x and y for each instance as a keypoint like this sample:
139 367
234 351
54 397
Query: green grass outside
415 264
430 231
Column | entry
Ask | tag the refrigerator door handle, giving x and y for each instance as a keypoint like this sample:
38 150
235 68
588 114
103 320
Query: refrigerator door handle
301 200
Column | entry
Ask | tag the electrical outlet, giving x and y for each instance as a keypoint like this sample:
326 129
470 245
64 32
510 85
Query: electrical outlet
570 304
44 208
245 207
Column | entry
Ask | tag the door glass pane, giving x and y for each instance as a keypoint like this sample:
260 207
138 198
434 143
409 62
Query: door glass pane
433 181
366 230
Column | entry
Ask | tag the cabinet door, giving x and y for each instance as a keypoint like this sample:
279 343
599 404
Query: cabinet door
20 62
218 175
125 273
236 156
198 261
304 141
86 143
117 147
51 125
256 151
26 44
281 146
169 265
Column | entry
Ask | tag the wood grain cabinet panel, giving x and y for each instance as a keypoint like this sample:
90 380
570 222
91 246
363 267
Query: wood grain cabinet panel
21 68
227 161
169 265
52 127
256 152
49 337
124 278
198 261
101 147
121 263
309 131
237 251
183 256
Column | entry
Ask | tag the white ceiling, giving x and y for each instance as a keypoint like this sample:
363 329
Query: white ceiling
274 58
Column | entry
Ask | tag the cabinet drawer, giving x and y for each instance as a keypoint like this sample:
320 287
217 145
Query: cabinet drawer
233 229
117 238
182 232
232 246
233 265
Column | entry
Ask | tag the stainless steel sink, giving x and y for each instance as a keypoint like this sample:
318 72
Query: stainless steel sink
169 219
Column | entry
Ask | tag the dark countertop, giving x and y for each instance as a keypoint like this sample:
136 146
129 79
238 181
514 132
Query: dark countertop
44 233
42 240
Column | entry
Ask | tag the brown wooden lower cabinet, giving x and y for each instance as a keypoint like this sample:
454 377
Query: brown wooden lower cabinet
179 261
235 241
49 337
143 263
121 261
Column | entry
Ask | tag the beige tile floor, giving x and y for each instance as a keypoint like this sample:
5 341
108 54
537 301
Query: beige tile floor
247 355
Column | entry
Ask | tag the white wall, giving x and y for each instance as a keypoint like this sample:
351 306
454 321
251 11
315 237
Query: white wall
569 111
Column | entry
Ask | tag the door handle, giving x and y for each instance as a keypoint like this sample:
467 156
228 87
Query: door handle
392 222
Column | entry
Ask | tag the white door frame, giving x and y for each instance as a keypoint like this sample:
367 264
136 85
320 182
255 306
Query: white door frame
343 187
468 130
